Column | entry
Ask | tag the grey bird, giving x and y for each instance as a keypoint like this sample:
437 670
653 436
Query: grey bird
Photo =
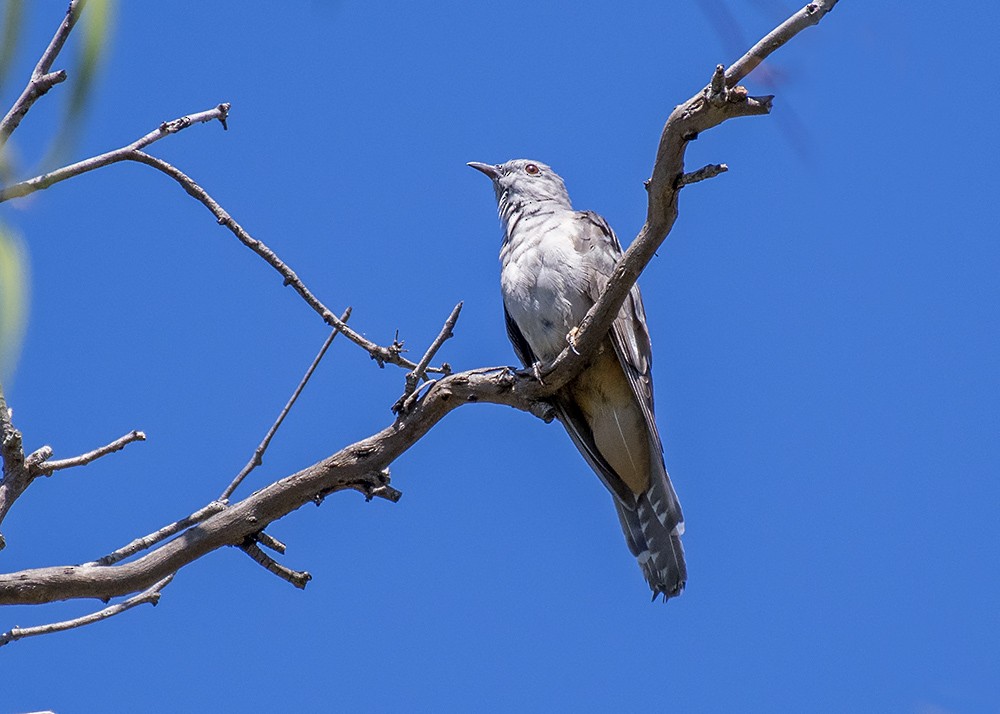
554 264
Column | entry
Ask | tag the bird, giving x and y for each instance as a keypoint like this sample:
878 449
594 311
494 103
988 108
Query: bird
555 262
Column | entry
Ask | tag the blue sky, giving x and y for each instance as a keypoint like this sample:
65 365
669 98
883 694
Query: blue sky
824 321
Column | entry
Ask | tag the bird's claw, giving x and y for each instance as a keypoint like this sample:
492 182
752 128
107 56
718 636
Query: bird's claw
571 339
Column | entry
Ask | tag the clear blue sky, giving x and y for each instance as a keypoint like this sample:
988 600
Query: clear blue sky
825 330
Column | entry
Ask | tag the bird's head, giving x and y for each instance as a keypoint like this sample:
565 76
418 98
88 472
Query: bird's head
522 181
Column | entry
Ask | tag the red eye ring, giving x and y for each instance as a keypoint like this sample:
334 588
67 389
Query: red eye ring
532 170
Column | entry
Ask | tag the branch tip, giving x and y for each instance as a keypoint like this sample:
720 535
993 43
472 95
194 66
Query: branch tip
224 114
48 466
297 578
717 85
702 174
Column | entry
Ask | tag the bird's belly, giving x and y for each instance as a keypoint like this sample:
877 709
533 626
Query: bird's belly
545 298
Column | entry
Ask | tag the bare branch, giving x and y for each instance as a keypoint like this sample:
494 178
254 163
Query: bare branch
418 373
382 355
20 471
125 153
700 113
42 80
132 152
16 477
32 460
702 174
46 468
152 596
717 87
11 445
345 470
269 541
360 466
298 578
148 541
808 16
258 455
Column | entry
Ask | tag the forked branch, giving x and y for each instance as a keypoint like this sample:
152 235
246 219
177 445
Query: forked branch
42 79
718 101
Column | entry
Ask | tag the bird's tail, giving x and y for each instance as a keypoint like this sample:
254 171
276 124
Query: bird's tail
653 530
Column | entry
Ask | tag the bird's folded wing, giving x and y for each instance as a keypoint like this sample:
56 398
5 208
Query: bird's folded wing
629 334
571 417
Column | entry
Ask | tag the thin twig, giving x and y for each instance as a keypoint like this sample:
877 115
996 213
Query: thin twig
151 595
413 378
382 355
132 152
258 455
148 541
298 578
42 80
46 468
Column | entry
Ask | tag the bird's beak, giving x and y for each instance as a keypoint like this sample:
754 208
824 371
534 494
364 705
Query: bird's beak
489 169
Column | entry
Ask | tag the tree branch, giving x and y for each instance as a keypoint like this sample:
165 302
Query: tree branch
360 466
42 80
713 105
132 152
16 477
148 541
298 578
125 153
47 467
808 16
19 471
152 596
382 355
702 174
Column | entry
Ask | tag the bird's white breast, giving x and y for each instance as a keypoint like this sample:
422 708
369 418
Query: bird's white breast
544 281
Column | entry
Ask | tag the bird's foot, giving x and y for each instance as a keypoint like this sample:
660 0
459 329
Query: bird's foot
536 369
571 339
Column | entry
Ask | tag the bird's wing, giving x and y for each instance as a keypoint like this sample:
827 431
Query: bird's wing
521 347
629 334
654 526
579 431
569 414
586 406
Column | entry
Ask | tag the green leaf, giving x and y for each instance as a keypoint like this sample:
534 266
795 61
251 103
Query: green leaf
13 298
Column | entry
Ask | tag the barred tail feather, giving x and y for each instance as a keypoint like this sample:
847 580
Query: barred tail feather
653 531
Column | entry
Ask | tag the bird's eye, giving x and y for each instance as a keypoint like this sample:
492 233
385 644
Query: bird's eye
532 170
